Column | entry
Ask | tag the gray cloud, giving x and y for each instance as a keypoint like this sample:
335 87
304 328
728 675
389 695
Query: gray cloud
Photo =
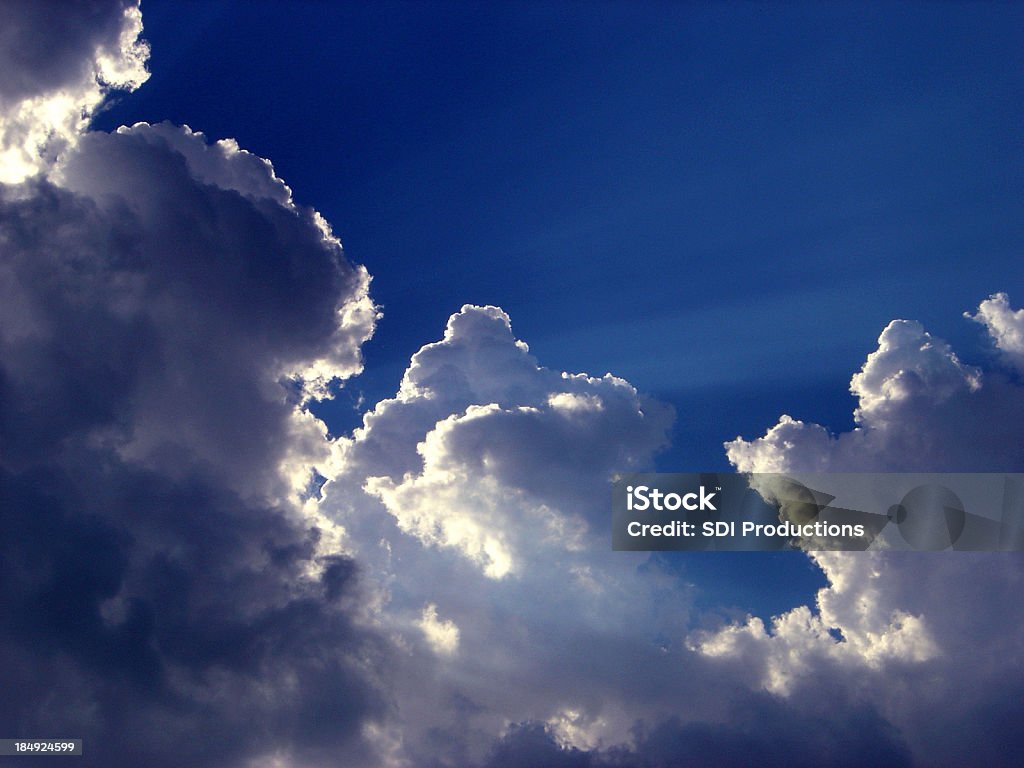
47 45
919 409
60 60
760 730
932 640
164 309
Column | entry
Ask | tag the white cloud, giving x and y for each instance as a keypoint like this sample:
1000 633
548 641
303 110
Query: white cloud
166 309
487 482
930 639
1005 326
909 364
487 452
57 73
485 499
919 409
175 293
799 644
441 635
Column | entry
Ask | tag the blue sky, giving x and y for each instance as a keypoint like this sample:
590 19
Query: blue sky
728 206
722 204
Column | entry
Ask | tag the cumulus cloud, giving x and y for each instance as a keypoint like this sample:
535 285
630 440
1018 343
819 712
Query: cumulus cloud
477 501
175 595
919 409
874 629
481 491
60 60
486 486
165 310
931 641
194 302
760 729
1005 326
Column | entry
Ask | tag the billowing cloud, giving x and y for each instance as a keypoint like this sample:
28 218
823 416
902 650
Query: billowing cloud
193 303
483 527
486 487
931 640
1005 326
59 62
175 595
476 500
165 310
919 409
759 729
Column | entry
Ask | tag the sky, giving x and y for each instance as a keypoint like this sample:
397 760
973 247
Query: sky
324 327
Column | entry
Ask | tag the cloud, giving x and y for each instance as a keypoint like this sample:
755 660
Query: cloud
165 310
760 730
463 457
60 60
927 640
175 596
919 409
476 500
930 640
486 487
874 629
443 636
481 492
1005 326
482 500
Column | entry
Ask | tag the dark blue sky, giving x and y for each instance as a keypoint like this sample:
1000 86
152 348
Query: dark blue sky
722 204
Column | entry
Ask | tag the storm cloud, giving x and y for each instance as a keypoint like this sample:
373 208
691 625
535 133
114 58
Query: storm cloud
194 573
60 61
165 309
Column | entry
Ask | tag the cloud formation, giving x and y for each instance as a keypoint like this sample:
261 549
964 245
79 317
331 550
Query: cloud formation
60 60
476 501
174 594
919 409
486 487
547 649
1005 326
165 309
930 640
